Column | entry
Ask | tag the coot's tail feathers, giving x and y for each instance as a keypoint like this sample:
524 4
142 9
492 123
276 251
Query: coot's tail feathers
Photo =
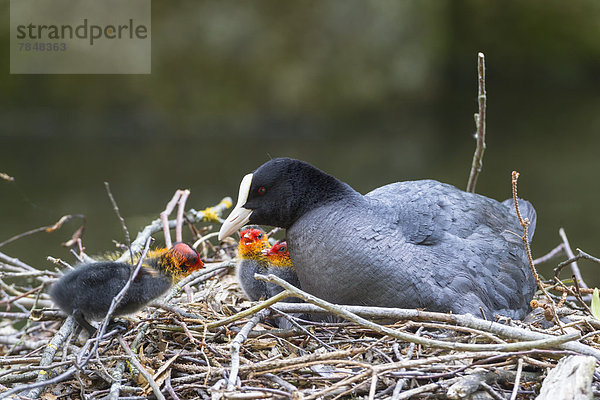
527 211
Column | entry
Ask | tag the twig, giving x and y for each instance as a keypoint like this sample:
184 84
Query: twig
409 394
170 388
343 312
250 311
550 255
117 375
236 343
574 266
50 228
515 391
49 353
277 365
505 331
121 219
192 216
571 261
491 391
16 262
284 384
402 381
6 177
575 293
480 123
148 376
525 225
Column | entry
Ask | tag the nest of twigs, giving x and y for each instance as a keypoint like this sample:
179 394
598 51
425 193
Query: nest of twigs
209 342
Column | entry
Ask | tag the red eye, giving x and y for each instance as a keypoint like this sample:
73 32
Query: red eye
261 190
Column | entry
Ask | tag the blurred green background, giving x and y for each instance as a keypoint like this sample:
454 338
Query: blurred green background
370 91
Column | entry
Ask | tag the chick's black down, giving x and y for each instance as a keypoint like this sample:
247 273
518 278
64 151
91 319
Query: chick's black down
91 287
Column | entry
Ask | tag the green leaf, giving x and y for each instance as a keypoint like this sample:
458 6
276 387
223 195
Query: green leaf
596 303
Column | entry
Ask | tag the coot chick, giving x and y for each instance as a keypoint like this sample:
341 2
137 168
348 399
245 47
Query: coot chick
280 265
87 291
252 260
418 244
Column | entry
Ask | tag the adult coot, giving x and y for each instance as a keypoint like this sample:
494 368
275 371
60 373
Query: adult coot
417 244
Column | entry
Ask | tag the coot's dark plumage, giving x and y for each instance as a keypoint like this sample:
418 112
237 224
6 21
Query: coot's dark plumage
420 244
88 290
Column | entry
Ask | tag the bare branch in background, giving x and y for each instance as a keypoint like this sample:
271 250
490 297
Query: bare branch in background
480 124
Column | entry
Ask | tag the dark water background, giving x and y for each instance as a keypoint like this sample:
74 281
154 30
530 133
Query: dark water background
370 91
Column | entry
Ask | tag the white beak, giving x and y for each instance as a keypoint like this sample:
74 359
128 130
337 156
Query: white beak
240 215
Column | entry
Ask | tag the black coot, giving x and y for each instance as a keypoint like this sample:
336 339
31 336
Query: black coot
418 244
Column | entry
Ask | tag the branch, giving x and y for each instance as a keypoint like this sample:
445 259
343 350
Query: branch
52 228
525 225
572 259
480 123
140 367
546 342
48 355
121 219
236 343
467 320
192 216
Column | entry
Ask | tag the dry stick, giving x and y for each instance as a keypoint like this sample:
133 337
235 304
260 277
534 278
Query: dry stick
192 216
480 123
117 375
525 225
121 219
373 387
343 312
16 262
574 266
515 391
236 343
180 210
491 391
250 311
571 261
170 389
281 382
347 382
402 381
164 216
550 255
148 376
573 293
49 353
273 366
409 394
198 275
6 177
49 228
505 331
59 378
